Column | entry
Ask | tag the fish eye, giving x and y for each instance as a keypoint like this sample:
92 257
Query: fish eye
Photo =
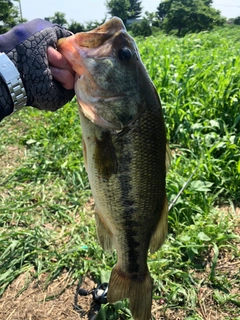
124 55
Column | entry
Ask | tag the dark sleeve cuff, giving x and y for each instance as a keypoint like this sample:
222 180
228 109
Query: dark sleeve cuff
6 103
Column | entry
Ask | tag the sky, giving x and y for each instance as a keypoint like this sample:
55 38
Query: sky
88 10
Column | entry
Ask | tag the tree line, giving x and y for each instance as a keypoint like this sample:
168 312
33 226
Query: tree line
172 16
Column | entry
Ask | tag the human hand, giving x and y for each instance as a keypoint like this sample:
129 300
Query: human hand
47 77
60 68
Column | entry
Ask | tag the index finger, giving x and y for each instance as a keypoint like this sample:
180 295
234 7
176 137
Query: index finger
57 60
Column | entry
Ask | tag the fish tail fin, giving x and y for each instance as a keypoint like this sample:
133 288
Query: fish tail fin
139 293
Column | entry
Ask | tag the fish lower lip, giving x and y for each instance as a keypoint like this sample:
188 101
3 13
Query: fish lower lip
112 98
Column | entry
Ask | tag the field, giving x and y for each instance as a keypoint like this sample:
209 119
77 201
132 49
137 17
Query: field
48 243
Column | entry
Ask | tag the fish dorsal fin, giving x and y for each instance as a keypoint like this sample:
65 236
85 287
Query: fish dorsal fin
168 157
168 150
160 232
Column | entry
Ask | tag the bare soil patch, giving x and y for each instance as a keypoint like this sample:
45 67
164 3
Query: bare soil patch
38 303
27 298
11 158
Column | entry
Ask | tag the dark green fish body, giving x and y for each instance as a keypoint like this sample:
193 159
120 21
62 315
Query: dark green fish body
124 144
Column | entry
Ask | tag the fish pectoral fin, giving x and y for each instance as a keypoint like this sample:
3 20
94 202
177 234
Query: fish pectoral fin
160 232
105 157
105 236
139 292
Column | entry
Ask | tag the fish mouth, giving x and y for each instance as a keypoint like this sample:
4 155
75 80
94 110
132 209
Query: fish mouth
78 46
92 114
97 37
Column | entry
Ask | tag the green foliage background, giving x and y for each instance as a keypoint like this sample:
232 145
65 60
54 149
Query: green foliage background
9 15
44 187
187 16
172 16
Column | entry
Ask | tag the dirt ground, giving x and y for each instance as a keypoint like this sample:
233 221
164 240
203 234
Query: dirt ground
59 302
27 299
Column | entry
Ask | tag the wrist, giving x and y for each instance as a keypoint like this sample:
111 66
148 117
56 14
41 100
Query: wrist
6 103
13 83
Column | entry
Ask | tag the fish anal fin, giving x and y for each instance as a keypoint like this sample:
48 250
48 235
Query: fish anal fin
138 291
105 236
161 230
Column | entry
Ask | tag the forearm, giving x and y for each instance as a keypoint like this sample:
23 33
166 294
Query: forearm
30 81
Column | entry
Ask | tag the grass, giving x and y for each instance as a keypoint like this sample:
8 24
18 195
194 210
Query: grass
44 187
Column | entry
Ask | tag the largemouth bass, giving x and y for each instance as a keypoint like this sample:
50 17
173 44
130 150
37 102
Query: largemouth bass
124 143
